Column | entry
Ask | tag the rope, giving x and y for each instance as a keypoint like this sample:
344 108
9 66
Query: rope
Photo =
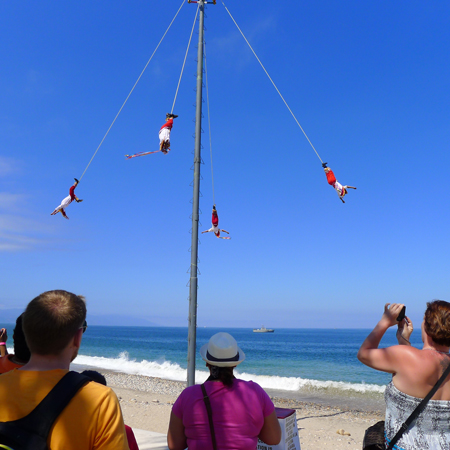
209 123
185 56
274 85
137 81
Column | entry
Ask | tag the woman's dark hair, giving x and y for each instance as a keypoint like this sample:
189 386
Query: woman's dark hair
223 374
437 322
21 350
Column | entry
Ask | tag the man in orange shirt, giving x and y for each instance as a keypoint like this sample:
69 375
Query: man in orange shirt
54 323
21 352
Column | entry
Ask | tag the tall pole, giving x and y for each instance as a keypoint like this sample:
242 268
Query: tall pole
192 336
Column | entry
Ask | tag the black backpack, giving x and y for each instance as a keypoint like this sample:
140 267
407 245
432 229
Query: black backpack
30 432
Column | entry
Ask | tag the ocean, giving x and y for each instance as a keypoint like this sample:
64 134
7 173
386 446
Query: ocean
318 365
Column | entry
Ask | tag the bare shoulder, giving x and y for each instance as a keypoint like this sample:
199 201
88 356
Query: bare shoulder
417 364
405 352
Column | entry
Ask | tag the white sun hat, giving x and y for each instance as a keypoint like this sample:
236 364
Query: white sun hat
222 351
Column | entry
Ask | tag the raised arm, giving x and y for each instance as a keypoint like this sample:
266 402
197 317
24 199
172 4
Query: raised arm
225 231
206 231
384 359
3 339
405 328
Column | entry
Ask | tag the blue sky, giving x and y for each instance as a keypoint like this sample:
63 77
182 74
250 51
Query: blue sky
368 82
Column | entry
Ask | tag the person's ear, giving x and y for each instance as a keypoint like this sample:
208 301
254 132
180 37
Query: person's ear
77 338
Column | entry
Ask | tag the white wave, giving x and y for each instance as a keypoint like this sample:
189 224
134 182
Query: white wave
172 371
159 369
297 384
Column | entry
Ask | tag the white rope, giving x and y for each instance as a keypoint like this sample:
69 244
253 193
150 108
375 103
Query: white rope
274 85
209 124
185 56
137 81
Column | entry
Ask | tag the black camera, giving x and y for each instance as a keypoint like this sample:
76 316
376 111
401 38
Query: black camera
401 316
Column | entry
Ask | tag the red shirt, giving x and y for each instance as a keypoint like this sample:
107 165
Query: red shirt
7 365
72 192
168 125
331 178
215 219
131 439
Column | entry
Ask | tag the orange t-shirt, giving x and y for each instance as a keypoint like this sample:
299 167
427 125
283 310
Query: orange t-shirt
92 419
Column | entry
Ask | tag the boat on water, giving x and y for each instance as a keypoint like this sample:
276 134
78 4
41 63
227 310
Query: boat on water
263 329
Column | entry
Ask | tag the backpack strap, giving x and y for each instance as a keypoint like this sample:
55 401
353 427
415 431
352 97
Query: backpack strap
40 420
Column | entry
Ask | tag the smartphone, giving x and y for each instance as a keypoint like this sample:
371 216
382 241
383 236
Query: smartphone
401 316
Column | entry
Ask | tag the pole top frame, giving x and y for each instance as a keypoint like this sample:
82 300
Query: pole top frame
204 1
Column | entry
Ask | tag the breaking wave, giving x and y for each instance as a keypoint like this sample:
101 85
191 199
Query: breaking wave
173 371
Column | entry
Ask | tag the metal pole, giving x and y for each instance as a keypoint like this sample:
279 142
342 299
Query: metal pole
192 336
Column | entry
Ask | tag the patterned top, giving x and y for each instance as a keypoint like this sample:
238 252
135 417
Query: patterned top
430 431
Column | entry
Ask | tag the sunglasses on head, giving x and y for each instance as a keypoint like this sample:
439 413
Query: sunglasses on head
84 326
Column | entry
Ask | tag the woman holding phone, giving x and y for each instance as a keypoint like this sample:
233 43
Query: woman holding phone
414 373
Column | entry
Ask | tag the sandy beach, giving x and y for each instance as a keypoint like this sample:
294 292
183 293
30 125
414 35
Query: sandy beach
146 404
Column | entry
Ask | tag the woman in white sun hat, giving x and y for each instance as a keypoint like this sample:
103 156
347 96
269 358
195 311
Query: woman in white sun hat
239 412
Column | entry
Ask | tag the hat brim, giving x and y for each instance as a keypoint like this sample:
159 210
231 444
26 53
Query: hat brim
204 351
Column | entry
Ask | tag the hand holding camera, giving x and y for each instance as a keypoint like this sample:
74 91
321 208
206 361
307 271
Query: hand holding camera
405 328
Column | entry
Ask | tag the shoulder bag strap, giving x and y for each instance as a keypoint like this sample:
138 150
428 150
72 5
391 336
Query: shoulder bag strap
418 409
208 408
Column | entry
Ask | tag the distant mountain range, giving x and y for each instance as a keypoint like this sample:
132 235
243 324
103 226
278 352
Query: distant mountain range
10 315
116 320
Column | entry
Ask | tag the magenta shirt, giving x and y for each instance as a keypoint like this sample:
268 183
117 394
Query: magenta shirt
238 415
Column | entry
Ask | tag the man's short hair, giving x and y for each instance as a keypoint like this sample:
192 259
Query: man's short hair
51 320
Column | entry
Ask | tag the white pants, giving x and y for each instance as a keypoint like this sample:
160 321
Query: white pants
164 135
340 189
65 203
